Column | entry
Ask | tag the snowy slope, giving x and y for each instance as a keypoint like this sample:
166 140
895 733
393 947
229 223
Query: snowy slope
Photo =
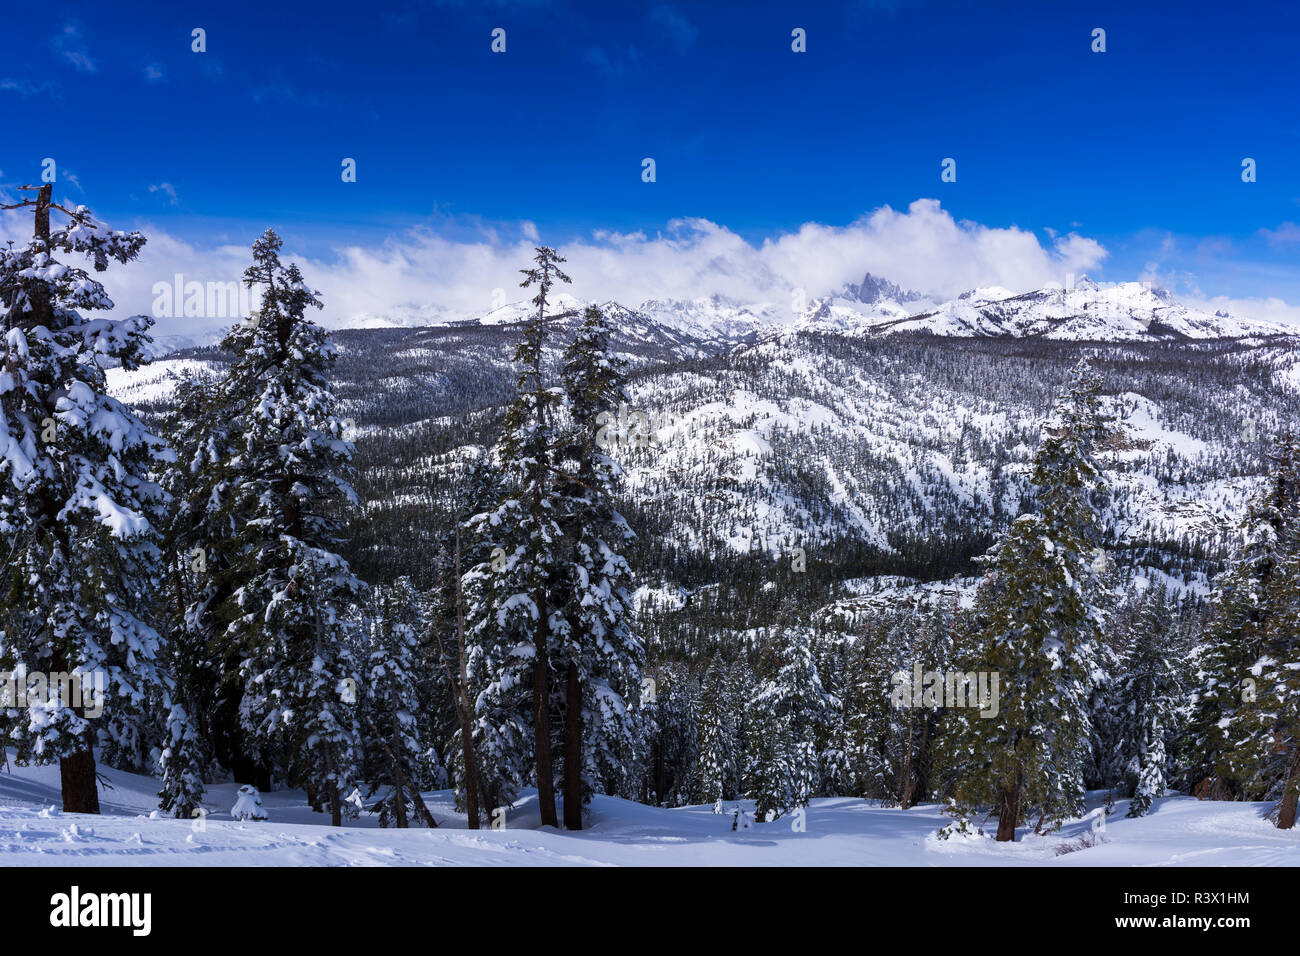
835 832
801 441
1126 312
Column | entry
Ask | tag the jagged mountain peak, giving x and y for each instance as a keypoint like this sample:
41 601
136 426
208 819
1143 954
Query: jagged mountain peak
874 289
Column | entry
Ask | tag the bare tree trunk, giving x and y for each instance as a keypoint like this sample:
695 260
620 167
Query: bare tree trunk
42 309
1009 815
399 776
906 795
77 781
1286 811
542 717
466 734
332 790
573 750
336 805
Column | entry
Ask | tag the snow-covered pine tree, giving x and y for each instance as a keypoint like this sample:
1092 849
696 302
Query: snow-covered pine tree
883 723
599 654
670 735
1242 610
515 600
928 639
1265 729
180 764
287 608
391 705
1039 625
790 714
442 619
1146 705
718 764
203 426
79 507
834 655
771 756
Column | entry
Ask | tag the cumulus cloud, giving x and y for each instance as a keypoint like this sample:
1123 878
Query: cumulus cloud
425 273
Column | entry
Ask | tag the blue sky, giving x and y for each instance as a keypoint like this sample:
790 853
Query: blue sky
1138 148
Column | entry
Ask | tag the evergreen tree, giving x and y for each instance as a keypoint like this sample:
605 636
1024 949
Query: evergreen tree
1243 614
391 703
718 765
289 589
79 506
789 714
1039 628
203 539
516 600
1264 729
1147 691
600 654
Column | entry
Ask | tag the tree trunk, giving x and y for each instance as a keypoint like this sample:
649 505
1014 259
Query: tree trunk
332 790
77 780
1286 811
466 734
542 717
906 795
41 308
399 777
573 751
1009 815
336 805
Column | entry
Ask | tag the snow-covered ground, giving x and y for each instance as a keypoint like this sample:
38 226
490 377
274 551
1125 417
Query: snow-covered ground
835 832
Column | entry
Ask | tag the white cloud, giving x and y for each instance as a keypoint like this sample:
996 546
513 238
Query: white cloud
71 46
168 190
423 271
1267 310
1285 234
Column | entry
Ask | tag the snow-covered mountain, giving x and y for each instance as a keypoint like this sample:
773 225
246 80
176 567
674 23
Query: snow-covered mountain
877 453
690 328
1087 312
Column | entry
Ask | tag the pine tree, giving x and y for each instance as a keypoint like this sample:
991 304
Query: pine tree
1264 727
444 611
1269 722
718 765
290 589
203 539
789 714
600 654
516 599
1039 629
873 668
1146 701
79 506
180 764
1243 614
391 705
